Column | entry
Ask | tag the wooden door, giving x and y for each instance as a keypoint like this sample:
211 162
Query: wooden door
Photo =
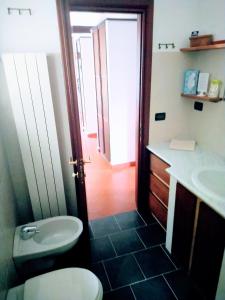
101 142
104 90
145 24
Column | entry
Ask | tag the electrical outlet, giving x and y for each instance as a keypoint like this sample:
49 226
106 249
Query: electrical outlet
198 106
160 116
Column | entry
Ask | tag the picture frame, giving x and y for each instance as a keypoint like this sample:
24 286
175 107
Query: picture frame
190 82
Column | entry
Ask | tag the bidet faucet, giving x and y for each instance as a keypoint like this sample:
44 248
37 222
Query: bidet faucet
27 231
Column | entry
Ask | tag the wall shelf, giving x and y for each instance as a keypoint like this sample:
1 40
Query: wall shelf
202 48
201 98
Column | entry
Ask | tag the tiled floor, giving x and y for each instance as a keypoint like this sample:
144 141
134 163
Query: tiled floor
129 257
104 182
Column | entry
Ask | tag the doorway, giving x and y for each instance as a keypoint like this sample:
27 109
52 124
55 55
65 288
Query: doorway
145 21
105 50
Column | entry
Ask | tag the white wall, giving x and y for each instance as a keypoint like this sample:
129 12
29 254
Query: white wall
8 221
38 33
88 81
121 40
208 126
173 22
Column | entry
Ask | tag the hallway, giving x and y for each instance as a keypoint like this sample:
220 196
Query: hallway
110 190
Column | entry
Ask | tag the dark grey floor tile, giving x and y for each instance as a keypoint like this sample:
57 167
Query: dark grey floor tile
99 271
154 261
182 286
152 235
153 289
129 220
101 248
123 271
104 226
120 294
126 241
148 217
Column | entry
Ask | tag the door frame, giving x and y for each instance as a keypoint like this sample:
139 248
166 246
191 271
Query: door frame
145 26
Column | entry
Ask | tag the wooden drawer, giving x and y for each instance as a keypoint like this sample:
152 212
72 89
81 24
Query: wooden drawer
158 167
159 189
158 209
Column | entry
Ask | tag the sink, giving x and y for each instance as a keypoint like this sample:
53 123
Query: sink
211 181
55 235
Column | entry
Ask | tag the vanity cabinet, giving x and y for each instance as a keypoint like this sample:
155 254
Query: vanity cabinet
198 240
183 225
158 189
208 250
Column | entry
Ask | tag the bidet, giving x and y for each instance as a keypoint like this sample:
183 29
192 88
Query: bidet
56 235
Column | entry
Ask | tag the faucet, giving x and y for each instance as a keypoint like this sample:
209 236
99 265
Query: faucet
27 231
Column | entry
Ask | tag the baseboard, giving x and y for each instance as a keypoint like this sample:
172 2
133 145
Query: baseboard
124 165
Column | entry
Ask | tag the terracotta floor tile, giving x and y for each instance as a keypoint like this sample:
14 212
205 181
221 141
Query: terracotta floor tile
109 190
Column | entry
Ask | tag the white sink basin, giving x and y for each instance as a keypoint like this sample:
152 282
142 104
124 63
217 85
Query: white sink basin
211 181
56 235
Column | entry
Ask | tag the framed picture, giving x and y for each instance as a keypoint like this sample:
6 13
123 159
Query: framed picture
190 82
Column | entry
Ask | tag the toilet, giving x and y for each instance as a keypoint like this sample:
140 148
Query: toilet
64 284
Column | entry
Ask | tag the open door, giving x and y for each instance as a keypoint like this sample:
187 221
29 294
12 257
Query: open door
145 22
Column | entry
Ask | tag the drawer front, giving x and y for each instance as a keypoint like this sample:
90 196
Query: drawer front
158 167
159 189
158 209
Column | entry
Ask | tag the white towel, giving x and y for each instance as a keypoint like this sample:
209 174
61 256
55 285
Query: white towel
188 145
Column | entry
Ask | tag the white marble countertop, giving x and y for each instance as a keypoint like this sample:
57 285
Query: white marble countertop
183 163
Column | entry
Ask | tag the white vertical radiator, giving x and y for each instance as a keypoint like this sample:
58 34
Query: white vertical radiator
30 94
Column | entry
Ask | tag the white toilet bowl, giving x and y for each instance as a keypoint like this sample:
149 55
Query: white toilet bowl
64 284
54 236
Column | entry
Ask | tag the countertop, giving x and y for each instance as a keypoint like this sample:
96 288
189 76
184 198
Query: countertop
183 163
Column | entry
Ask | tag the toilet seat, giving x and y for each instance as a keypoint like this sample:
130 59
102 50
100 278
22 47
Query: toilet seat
64 284
68 284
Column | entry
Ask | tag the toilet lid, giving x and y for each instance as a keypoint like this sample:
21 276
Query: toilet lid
64 284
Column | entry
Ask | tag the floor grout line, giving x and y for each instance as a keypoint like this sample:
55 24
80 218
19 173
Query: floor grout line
139 266
89 223
141 240
170 287
133 293
128 285
113 245
114 217
141 217
106 275
122 230
169 258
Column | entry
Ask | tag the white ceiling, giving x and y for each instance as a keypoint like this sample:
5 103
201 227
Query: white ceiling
93 19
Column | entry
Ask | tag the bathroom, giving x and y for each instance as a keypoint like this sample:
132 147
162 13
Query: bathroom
173 23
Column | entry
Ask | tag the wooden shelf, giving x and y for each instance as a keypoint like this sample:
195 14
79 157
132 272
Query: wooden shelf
201 98
201 48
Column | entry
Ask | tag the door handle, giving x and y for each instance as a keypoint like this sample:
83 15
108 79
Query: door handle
86 161
80 161
75 175
72 162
